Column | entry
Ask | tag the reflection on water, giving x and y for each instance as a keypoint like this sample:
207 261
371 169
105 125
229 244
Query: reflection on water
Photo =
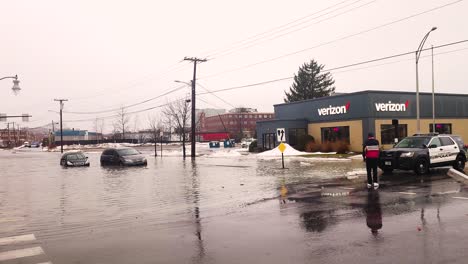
373 212
318 221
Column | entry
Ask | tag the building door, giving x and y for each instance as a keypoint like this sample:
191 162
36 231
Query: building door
268 141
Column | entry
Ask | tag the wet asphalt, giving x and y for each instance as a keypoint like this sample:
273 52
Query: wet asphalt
226 207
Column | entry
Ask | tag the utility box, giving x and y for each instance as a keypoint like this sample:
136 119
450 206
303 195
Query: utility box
228 143
214 144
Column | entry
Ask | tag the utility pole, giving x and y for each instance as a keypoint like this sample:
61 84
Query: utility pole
195 62
9 139
61 123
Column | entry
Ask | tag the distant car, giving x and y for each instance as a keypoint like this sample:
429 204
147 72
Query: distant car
74 159
245 143
26 144
123 157
35 144
424 151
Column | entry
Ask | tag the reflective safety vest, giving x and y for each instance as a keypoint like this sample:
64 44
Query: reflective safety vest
372 152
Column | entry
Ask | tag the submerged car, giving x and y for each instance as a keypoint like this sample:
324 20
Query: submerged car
123 157
74 159
421 152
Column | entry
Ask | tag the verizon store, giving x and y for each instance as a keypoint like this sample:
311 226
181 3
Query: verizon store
350 117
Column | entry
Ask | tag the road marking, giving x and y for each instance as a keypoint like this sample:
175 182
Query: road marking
459 197
410 193
48 262
21 253
347 188
447 192
16 239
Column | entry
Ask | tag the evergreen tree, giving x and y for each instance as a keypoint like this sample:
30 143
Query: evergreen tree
310 82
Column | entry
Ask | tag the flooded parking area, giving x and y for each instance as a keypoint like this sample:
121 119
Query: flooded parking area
226 206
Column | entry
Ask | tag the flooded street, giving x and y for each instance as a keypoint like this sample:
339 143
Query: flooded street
226 207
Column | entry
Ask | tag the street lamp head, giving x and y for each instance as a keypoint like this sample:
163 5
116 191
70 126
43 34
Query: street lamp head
433 28
16 89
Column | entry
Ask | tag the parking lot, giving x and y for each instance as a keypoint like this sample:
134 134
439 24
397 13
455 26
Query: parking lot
227 206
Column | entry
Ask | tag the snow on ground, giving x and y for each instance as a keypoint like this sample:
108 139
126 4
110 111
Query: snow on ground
356 157
289 151
322 153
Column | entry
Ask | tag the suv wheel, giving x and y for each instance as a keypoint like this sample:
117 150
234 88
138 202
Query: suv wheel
421 166
459 163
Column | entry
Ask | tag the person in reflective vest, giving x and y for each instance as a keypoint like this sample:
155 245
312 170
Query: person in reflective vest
370 153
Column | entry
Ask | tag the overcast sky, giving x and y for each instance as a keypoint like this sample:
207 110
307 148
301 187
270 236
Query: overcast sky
105 54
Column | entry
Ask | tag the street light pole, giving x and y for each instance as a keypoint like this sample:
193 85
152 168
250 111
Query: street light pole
433 95
418 54
15 87
61 123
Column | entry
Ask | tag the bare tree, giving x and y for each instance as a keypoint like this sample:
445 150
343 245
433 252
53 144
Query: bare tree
179 112
155 129
100 126
121 123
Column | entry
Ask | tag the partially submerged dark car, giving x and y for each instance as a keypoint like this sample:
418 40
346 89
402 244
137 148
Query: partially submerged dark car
74 159
123 157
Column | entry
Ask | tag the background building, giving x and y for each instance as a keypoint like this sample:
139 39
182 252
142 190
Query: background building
238 123
349 117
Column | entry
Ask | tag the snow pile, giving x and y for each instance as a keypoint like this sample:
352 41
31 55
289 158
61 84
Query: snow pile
289 151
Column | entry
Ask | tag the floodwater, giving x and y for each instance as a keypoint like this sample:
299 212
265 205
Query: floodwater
225 207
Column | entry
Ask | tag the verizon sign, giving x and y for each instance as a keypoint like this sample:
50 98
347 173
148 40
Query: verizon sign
391 107
334 110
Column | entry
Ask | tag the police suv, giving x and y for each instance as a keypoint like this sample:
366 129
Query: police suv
423 151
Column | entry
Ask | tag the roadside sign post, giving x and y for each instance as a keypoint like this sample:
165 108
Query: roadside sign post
161 136
282 148
281 137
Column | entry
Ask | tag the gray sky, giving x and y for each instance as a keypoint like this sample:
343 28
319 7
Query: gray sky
105 54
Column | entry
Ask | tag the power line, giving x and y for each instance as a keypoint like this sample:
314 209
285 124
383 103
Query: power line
272 36
333 69
128 113
333 41
128 106
215 95
394 62
172 68
256 36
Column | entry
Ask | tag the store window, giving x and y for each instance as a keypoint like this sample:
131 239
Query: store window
333 134
387 133
294 134
441 128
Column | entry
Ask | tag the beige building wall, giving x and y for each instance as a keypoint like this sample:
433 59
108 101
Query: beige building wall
459 127
355 132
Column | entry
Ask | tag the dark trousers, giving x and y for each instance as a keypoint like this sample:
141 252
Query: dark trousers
371 166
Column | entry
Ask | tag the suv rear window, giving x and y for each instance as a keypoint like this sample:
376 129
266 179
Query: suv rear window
446 141
459 141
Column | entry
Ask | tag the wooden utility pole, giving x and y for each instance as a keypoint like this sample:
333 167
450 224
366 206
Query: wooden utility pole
61 123
195 62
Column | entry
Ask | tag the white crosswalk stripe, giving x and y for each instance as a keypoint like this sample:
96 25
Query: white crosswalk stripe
22 246
16 239
21 253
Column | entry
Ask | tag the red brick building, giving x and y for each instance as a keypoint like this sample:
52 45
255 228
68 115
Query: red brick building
238 123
